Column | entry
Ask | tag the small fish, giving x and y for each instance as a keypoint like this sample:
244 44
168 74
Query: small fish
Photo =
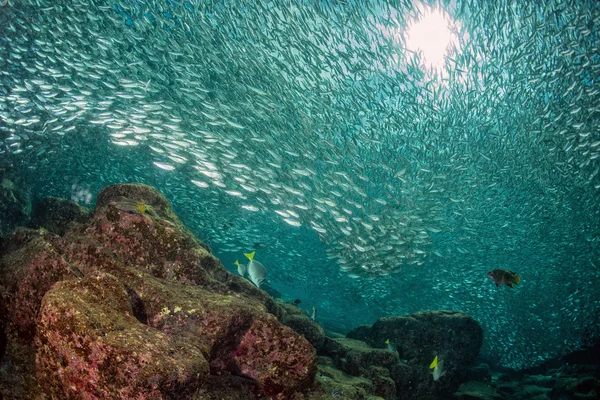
504 276
134 207
297 301
390 346
241 268
438 368
313 316
256 271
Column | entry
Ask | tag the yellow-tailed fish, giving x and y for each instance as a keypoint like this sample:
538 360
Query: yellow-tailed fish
314 313
438 368
256 271
390 346
241 268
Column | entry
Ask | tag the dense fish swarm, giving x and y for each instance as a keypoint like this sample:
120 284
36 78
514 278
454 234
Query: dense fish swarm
368 182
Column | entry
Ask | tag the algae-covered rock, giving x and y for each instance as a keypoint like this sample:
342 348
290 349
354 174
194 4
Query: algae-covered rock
477 391
332 383
388 376
129 304
26 274
297 319
480 373
576 386
89 345
418 338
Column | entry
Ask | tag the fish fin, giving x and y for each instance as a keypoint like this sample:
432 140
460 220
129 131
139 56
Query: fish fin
518 279
510 285
237 263
387 341
250 256
434 363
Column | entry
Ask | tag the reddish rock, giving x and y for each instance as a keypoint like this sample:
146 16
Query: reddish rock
90 346
131 305
276 357
27 274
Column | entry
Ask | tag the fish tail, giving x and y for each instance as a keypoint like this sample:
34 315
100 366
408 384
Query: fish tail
237 262
517 279
434 363
250 255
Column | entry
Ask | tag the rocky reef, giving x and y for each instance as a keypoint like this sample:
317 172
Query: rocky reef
575 376
124 302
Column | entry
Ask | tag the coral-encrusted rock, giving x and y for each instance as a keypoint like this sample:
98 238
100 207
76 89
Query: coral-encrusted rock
282 364
332 383
55 215
27 273
381 366
138 225
91 346
131 305
454 337
296 319
477 391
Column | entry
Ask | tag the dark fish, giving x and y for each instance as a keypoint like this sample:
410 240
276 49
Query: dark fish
504 276
297 301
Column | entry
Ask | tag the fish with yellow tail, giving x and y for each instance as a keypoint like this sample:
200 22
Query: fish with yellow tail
390 346
256 271
313 316
438 368
504 276
241 268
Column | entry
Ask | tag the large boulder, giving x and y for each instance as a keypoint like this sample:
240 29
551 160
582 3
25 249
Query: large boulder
128 303
89 345
296 318
454 337
381 367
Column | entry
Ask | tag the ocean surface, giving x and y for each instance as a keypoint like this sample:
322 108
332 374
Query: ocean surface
380 158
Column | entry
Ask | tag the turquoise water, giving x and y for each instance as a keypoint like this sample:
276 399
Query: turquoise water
369 179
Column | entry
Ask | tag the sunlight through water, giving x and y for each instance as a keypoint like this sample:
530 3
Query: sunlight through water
431 37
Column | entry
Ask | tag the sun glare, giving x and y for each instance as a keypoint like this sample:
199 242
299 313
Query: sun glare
431 37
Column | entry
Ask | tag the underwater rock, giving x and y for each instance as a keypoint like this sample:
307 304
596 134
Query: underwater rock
277 358
576 387
131 304
331 383
477 391
479 373
15 205
296 318
454 337
3 340
26 274
89 345
270 290
382 367
572 376
55 215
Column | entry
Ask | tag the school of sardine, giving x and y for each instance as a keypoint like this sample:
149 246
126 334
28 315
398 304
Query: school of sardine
309 133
